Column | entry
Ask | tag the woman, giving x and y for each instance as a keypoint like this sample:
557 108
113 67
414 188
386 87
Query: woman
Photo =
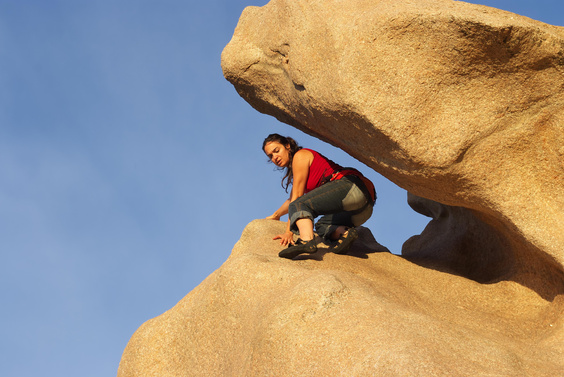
343 196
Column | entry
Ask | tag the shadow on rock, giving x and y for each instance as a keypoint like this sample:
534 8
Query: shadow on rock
458 241
360 248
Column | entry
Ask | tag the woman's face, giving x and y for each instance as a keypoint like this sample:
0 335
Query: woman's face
278 153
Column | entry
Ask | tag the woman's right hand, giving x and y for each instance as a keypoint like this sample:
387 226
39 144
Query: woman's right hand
286 238
283 210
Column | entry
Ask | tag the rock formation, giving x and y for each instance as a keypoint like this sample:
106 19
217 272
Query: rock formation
363 314
460 104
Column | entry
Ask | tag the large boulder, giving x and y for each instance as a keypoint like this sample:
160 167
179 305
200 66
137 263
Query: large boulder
460 104
369 313
457 103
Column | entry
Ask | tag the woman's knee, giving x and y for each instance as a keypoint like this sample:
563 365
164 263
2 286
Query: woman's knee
362 217
298 206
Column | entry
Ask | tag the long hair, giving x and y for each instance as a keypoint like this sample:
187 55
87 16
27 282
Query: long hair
294 147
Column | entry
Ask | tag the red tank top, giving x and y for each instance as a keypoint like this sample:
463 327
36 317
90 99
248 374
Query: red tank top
320 170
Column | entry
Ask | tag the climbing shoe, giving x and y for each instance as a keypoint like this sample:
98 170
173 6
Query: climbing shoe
299 247
344 242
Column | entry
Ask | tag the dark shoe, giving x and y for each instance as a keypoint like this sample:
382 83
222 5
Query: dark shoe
298 248
344 242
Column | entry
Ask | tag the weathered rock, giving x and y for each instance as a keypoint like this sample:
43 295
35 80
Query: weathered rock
458 103
377 315
456 241
463 106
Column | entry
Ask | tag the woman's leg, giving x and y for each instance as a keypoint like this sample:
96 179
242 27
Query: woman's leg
339 200
338 232
305 227
333 226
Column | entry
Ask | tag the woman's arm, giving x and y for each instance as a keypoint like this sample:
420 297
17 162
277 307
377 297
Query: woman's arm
283 210
300 169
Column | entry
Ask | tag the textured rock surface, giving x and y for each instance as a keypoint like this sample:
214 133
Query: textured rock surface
365 314
462 105
458 103
456 240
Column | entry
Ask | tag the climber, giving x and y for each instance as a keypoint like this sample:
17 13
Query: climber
343 196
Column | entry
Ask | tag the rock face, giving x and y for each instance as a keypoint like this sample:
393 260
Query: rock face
363 314
457 103
460 104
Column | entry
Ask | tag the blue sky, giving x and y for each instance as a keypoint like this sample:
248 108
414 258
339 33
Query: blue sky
129 168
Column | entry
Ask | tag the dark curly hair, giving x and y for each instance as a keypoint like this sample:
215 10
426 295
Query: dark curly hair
293 148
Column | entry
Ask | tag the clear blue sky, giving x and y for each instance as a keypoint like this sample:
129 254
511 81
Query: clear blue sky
128 169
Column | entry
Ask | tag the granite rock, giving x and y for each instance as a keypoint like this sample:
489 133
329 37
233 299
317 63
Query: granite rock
463 106
368 313
457 103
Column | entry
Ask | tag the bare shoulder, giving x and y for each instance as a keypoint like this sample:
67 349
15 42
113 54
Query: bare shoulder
303 156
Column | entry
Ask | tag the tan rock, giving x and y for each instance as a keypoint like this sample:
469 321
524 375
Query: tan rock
374 314
455 240
458 103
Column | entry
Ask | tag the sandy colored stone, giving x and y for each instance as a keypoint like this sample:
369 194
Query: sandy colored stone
370 313
460 104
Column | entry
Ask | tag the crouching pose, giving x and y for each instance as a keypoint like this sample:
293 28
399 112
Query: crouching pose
343 198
